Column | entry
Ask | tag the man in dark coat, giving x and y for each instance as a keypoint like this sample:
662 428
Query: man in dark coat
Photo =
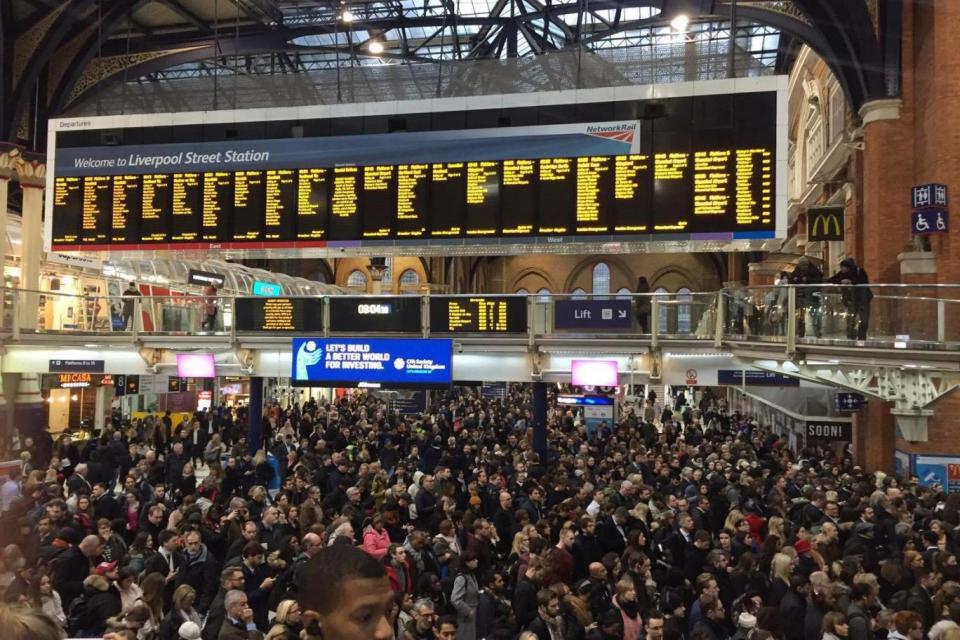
920 598
199 570
71 567
231 578
793 607
612 532
257 583
856 298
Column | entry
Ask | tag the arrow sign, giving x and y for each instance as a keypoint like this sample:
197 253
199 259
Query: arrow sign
592 314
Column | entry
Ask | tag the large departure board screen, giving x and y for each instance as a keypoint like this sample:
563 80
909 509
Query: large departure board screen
704 167
478 314
279 314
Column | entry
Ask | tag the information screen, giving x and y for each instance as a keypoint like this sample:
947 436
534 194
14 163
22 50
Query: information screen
279 314
706 166
361 315
478 314
373 362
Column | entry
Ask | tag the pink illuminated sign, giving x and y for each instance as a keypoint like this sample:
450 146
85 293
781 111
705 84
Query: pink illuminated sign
597 373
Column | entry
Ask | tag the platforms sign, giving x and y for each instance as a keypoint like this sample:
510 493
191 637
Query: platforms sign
592 314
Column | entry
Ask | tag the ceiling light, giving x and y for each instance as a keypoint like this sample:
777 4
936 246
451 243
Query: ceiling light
347 15
375 47
680 23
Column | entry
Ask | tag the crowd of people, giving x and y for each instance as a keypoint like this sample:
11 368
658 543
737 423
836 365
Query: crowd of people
677 522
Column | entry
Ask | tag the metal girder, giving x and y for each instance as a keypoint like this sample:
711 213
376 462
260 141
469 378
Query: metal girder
186 14
913 391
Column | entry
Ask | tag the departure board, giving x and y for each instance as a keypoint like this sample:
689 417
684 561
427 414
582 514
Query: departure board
217 205
125 209
478 314
518 197
345 203
186 208
312 212
483 198
68 202
412 191
97 206
281 204
704 169
632 195
558 195
448 198
594 184
156 194
279 314
376 199
249 192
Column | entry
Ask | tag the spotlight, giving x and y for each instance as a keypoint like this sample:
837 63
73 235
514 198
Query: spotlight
375 47
347 15
680 23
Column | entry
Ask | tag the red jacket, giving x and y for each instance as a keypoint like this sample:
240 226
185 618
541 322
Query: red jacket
407 587
376 543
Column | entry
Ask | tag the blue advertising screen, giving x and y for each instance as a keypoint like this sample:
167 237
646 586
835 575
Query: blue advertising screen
267 289
357 361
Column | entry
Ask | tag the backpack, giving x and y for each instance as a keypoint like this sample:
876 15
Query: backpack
79 619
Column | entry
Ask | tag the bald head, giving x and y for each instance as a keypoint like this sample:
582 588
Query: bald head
90 546
312 543
597 570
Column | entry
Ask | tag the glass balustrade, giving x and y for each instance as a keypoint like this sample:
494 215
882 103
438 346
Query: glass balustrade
896 316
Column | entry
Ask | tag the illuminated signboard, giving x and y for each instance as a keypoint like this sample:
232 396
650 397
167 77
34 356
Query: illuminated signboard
706 166
76 380
374 314
278 314
478 314
266 289
373 362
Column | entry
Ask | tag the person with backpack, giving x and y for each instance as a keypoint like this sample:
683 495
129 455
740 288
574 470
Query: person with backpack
99 601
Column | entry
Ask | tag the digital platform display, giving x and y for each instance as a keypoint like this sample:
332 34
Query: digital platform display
276 314
372 363
374 314
706 168
478 314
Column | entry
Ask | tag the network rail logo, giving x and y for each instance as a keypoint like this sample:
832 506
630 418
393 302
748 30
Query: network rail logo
622 132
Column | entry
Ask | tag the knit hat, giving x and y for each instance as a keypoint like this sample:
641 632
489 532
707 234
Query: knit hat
105 567
189 631
802 546
747 620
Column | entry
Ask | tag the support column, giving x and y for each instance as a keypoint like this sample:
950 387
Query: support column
540 420
28 412
31 250
104 398
255 415
874 437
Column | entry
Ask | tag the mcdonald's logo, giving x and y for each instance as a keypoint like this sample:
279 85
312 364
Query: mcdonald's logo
824 224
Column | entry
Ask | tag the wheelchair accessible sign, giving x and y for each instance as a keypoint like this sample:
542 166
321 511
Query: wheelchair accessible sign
930 221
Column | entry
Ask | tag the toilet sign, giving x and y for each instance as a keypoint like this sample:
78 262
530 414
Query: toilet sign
930 221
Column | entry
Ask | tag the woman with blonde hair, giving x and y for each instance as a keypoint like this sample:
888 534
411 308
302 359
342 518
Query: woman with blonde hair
180 611
775 527
214 450
287 623
19 623
733 519
780 569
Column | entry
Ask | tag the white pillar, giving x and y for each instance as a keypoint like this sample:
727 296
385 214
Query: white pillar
31 249
104 399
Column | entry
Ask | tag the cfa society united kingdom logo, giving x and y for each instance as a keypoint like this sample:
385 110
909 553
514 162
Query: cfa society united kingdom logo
399 364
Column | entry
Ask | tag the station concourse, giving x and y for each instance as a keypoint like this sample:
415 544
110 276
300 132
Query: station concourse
613 319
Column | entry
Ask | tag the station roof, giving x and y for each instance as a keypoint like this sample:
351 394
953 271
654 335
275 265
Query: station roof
113 56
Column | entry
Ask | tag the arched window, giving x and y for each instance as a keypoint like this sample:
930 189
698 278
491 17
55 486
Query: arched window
579 294
623 293
409 279
662 321
684 319
357 280
522 291
601 279
543 295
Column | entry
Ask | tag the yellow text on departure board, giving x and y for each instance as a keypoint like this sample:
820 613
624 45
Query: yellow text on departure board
278 315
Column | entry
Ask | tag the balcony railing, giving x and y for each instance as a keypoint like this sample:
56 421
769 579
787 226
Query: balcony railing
896 316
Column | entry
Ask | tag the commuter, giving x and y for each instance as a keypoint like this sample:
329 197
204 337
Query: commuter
617 537
129 296
643 304
856 297
805 276
210 306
